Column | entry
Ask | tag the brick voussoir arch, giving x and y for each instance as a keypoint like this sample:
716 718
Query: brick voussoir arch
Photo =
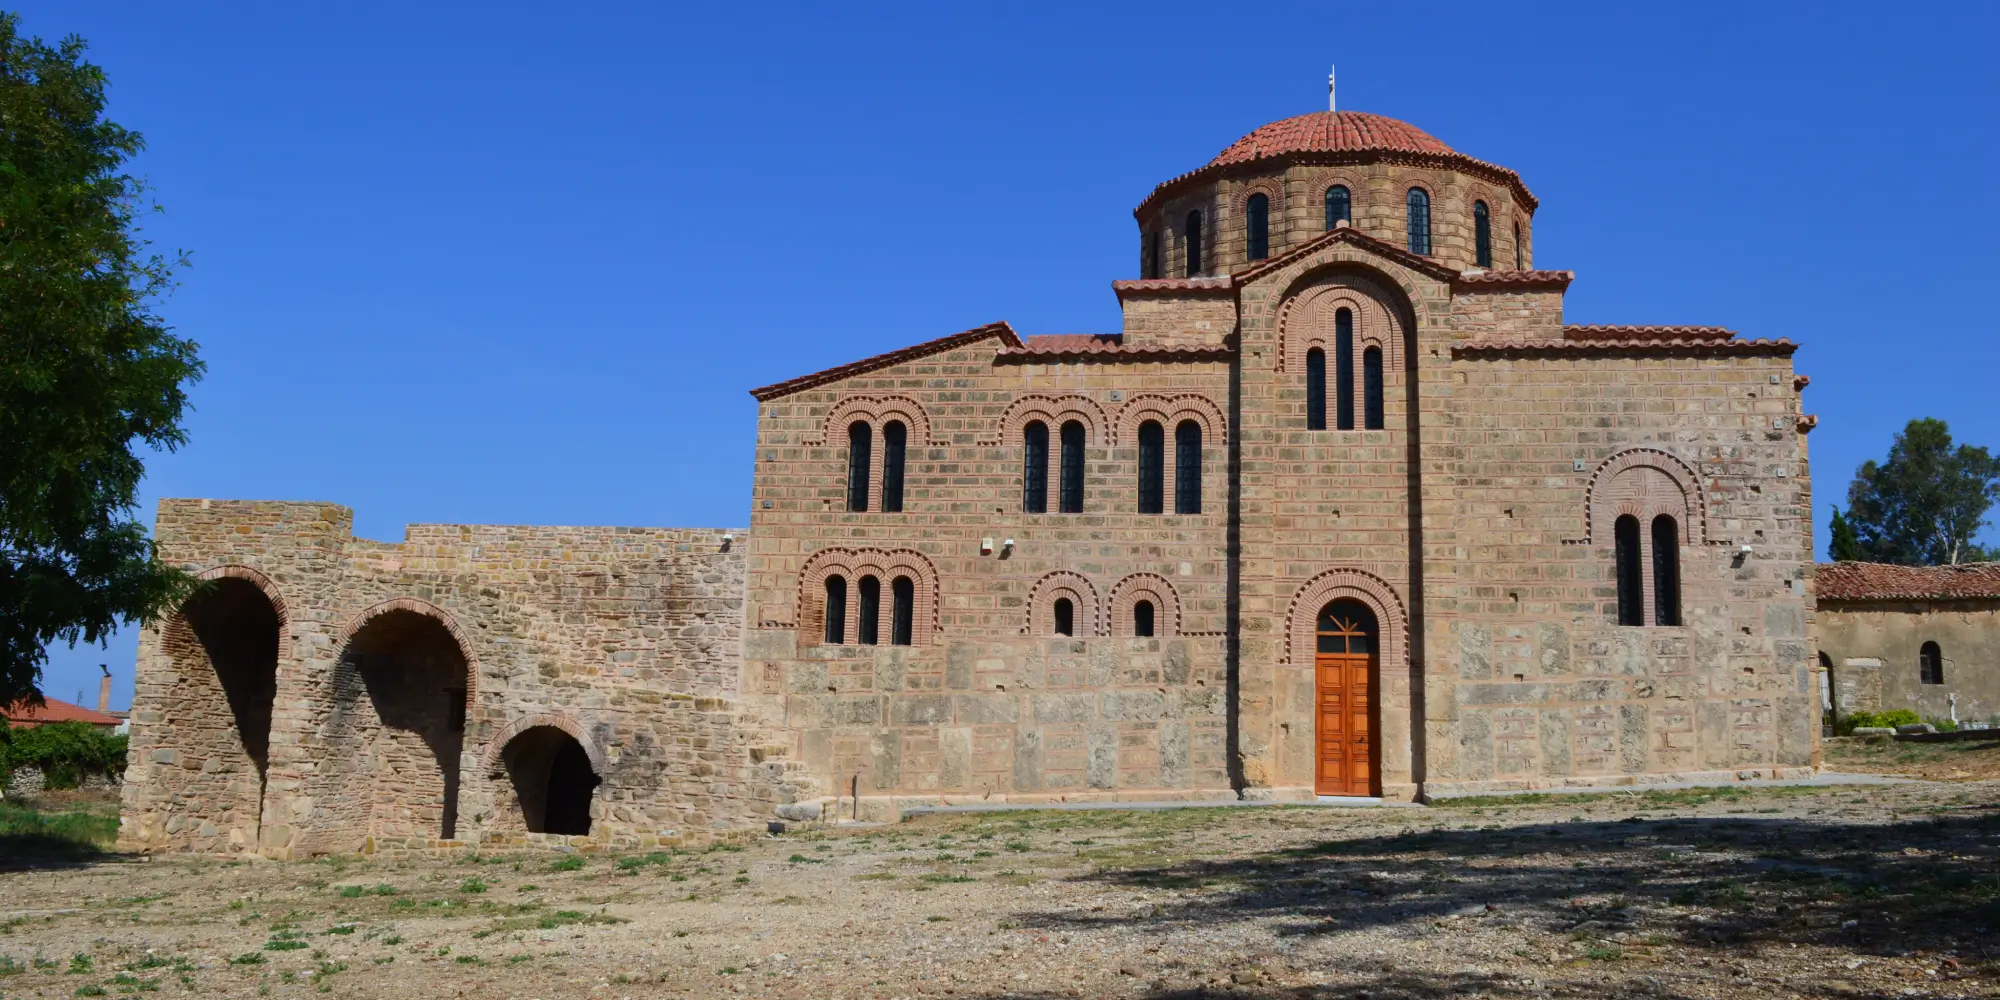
1693 499
876 410
852 564
1127 593
1042 597
1302 619
466 647
1170 410
1053 411
491 761
177 633
1381 317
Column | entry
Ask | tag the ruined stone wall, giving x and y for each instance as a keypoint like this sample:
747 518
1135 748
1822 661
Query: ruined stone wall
1873 648
987 703
624 638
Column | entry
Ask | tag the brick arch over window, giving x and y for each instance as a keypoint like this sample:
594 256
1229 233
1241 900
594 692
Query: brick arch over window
1146 587
1645 483
466 647
178 633
1053 411
1306 319
1369 589
491 764
853 564
876 410
1088 620
1170 411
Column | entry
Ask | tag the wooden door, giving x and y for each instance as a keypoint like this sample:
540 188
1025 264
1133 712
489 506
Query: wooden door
1345 663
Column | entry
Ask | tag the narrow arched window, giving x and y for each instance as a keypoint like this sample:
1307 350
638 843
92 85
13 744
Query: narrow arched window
894 437
1152 466
1631 602
1418 221
1371 388
1930 664
1065 615
1035 468
868 620
1482 235
1257 220
1193 240
1315 390
1343 369
1187 468
836 610
902 610
1666 571
1153 255
860 455
1071 487
1339 206
1142 619
1520 255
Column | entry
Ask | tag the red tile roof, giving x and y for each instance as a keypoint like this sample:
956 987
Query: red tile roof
1105 346
1512 280
1162 286
1638 344
1860 581
1001 330
1686 333
25 716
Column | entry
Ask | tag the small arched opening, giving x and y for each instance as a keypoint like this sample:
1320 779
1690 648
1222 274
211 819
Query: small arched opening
412 726
552 779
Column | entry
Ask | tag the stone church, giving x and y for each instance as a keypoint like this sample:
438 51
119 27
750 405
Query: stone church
1344 509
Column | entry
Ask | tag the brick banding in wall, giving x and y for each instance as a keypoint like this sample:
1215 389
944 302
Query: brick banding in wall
1170 411
853 564
1645 482
1127 593
466 647
491 761
876 411
1053 411
1302 620
1088 620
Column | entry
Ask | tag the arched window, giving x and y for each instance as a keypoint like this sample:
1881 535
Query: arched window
868 622
1419 221
860 454
1065 616
1520 256
1153 255
902 610
1071 487
1187 468
1343 369
1257 220
836 610
1482 235
1371 388
1631 601
1339 207
1930 664
1666 571
1193 233
1152 466
1035 468
1142 619
893 438
1315 390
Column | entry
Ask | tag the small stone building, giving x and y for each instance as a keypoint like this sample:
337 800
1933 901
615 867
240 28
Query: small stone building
1345 508
1923 638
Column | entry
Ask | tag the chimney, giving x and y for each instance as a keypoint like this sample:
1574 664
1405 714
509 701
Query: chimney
104 689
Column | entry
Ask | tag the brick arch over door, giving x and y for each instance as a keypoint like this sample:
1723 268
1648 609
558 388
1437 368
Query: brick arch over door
1645 482
466 647
853 564
490 763
1301 638
1127 593
876 411
1053 411
1088 617
1170 411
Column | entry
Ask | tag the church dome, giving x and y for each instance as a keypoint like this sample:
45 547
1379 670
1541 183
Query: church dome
1331 132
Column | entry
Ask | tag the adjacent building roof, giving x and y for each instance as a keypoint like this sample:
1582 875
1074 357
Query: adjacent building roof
1006 333
1860 581
1106 347
24 715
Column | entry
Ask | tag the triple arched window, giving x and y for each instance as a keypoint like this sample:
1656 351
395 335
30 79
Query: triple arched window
1482 235
1192 237
868 616
1664 535
1257 225
861 464
1372 412
1339 206
1418 221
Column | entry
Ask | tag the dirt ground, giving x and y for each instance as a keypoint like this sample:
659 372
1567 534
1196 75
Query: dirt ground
1969 760
1874 891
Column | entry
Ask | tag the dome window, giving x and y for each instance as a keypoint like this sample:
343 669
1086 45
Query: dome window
1419 221
1257 220
1482 235
1339 206
1192 233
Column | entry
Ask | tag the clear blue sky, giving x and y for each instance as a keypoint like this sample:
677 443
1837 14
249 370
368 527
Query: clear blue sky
507 262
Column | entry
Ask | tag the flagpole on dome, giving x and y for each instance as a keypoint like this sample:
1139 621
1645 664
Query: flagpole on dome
1329 87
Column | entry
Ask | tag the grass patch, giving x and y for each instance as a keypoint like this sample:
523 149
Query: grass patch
29 835
573 863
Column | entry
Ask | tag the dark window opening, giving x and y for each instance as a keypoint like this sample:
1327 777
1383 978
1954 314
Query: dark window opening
1193 232
1153 255
553 781
1257 217
1152 467
1930 664
1371 388
1187 468
1339 206
1631 603
454 709
1315 390
893 439
902 610
1065 617
1520 254
836 610
860 454
1666 571
1071 487
867 623
1418 221
1482 235
1345 626
1343 369
1142 619
1035 468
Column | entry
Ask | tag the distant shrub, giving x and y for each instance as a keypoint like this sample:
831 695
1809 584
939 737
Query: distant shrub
1868 720
65 752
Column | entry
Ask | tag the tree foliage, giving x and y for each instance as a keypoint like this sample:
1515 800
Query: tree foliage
87 369
1845 545
1923 505
65 752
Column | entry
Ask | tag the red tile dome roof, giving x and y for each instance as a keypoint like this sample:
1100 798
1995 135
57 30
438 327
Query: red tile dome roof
1331 132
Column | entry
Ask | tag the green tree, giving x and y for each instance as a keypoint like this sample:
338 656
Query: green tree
87 369
1923 505
1845 545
